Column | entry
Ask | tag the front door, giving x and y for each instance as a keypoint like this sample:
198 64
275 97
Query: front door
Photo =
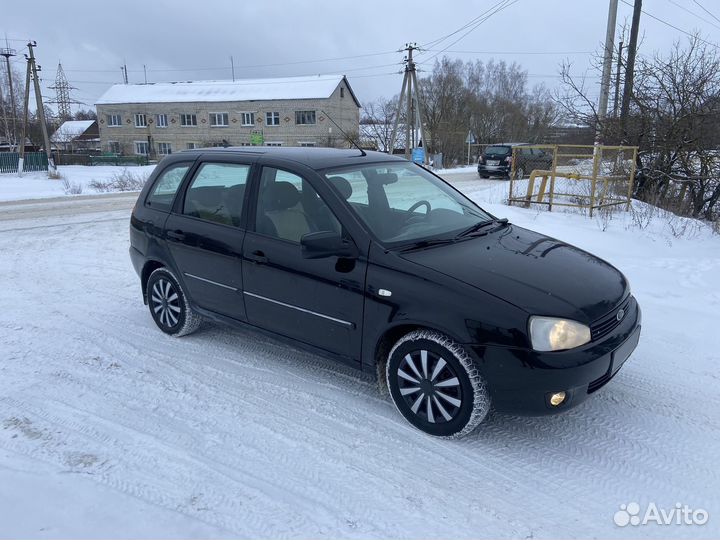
316 301
205 236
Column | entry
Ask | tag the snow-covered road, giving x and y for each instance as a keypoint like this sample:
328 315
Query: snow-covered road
110 428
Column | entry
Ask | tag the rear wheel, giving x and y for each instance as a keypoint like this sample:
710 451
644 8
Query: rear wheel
169 306
520 173
435 384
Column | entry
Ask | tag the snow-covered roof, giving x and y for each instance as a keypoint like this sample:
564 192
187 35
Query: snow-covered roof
71 129
307 87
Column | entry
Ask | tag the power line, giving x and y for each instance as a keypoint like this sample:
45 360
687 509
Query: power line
515 52
706 11
466 25
674 27
247 66
704 19
497 8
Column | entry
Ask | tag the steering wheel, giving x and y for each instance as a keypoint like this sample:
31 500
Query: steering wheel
418 205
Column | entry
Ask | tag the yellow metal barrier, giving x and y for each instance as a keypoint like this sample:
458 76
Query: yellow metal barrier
601 171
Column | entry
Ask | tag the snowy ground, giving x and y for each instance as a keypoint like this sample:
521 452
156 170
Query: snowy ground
37 185
110 428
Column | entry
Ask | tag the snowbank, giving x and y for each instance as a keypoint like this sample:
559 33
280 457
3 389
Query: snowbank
37 185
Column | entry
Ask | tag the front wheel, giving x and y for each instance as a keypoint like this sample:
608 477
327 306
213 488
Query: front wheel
435 384
169 306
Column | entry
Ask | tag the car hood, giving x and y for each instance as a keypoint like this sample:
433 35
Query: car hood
536 273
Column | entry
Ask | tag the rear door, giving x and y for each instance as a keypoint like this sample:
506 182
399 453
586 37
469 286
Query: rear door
205 234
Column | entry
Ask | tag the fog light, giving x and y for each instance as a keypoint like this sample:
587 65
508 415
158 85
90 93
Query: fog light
557 398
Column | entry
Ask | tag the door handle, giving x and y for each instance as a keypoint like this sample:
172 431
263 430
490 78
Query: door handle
176 235
257 256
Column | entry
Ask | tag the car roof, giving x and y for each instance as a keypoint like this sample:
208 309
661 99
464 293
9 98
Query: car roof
315 158
510 144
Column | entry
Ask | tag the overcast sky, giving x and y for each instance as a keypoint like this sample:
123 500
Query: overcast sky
194 40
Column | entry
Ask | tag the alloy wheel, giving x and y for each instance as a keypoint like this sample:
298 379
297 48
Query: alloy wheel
429 387
165 302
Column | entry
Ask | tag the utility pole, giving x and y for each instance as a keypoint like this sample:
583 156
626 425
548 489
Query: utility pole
40 108
7 52
607 68
145 71
630 69
5 120
410 98
26 105
616 99
232 67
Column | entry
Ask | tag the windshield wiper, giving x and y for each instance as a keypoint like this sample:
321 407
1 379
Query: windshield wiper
421 244
481 225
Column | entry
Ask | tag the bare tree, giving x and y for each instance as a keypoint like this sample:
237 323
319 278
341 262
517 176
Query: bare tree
491 99
377 122
674 119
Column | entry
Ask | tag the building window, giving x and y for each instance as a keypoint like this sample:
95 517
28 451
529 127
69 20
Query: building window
273 144
142 148
342 91
164 148
305 118
161 120
306 144
219 119
140 120
113 147
114 120
188 120
247 119
192 146
272 118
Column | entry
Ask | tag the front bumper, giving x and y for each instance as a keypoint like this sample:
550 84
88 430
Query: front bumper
521 381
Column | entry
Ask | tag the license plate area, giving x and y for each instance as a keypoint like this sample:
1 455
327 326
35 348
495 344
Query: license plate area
493 162
625 350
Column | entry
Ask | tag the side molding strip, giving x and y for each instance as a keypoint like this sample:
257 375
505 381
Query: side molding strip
328 317
210 281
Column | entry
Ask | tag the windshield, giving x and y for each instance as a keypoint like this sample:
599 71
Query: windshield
403 203
501 150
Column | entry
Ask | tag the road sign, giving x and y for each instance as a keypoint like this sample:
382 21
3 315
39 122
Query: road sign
418 155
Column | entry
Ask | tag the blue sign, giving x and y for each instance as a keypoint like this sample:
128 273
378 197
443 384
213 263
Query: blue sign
418 155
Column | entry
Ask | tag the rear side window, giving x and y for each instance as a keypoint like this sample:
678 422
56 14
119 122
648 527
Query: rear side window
163 192
217 193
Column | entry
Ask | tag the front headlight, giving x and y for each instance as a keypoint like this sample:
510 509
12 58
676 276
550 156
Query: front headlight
551 334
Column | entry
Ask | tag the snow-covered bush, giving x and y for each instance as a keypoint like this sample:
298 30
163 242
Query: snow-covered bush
122 181
71 188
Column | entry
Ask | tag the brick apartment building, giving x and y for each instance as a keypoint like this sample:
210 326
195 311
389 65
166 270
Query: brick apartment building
161 118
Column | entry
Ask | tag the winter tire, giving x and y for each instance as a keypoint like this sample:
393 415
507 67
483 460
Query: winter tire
435 384
520 173
169 306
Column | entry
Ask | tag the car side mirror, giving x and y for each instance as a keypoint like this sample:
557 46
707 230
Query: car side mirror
323 244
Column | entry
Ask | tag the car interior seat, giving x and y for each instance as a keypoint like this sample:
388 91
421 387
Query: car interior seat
283 215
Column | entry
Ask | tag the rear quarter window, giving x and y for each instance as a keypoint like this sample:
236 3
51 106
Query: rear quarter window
166 185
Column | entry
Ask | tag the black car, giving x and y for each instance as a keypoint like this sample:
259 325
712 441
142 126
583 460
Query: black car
496 160
377 262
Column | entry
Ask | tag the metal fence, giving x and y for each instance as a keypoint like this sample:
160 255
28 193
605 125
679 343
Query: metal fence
33 161
582 176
